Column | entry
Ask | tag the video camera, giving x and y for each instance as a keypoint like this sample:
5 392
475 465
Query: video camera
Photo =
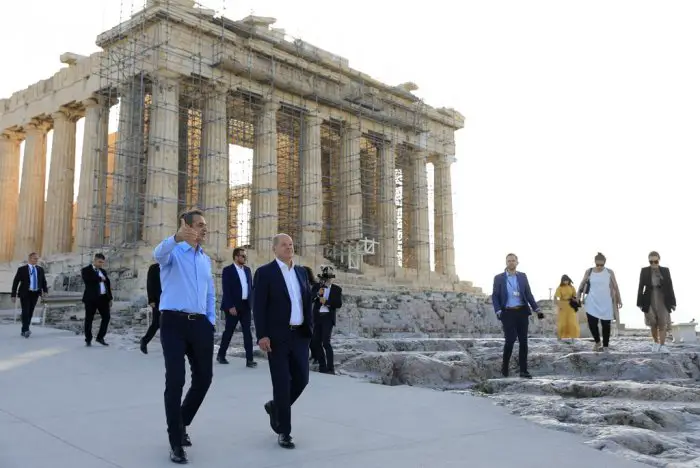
327 272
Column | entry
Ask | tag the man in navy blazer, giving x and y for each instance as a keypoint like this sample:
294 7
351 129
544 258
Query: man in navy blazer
284 326
512 300
237 287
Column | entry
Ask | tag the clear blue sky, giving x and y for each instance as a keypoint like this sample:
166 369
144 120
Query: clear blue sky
582 116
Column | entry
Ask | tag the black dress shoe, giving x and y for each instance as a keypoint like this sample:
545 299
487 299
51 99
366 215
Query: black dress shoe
221 360
143 347
525 375
285 440
178 455
251 364
102 342
270 410
504 371
186 441
88 343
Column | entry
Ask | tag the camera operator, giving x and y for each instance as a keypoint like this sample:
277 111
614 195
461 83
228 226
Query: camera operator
327 297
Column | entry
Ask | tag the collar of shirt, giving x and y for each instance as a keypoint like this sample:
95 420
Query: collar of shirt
284 265
184 246
240 267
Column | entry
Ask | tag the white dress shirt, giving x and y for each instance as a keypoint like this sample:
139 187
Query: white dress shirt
244 281
294 289
326 292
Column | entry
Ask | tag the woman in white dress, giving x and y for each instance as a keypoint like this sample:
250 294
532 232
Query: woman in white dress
602 300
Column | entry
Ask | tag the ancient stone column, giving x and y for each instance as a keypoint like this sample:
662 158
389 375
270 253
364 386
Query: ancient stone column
214 160
161 216
444 227
420 229
30 225
58 215
264 210
386 211
311 188
92 190
9 191
125 222
350 206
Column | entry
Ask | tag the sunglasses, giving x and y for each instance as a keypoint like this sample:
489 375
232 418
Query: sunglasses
653 262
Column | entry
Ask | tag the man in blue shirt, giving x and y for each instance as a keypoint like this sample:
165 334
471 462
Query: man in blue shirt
187 325
512 300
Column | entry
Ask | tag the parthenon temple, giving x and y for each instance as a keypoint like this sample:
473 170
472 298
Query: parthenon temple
263 133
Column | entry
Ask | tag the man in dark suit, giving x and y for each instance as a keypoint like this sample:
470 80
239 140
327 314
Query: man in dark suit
237 286
512 300
657 299
326 297
97 297
283 324
153 291
29 284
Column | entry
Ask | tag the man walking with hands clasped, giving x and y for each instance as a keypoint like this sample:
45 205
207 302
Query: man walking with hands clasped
187 325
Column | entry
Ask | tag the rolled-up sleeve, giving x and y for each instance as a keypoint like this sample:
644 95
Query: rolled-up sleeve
161 253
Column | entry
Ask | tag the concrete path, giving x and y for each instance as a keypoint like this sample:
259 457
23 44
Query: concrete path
65 405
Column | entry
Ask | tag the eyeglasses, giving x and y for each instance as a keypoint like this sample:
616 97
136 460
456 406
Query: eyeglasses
653 262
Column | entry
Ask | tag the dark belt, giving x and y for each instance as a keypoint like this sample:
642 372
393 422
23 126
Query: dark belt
295 327
515 308
186 315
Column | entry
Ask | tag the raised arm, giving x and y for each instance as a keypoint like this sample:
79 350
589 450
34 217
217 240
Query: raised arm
161 253
89 277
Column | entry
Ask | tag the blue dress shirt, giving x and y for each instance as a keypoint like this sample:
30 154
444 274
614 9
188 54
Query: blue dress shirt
186 279
515 298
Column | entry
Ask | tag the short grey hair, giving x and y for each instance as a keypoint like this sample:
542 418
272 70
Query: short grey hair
276 239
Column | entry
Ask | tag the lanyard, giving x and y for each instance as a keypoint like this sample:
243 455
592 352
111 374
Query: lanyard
513 283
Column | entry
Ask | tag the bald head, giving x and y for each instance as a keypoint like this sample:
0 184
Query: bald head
283 247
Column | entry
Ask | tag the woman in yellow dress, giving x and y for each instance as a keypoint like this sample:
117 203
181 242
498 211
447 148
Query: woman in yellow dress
567 321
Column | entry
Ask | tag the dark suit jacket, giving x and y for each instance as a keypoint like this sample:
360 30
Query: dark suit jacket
272 307
500 292
20 285
335 300
92 284
644 292
153 289
232 289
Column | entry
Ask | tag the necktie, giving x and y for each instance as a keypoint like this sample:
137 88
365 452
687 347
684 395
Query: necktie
33 285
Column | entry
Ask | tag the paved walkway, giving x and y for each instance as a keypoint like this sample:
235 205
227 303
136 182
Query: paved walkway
65 405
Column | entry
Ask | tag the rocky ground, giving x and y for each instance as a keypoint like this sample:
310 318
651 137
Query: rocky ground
638 404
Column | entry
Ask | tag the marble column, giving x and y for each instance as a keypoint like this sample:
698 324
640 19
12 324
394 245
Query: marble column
311 189
92 190
30 225
264 210
9 191
420 227
125 221
214 160
58 215
444 227
161 216
350 206
387 206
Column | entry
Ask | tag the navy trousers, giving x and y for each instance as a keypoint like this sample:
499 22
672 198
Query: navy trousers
515 326
289 369
243 316
181 335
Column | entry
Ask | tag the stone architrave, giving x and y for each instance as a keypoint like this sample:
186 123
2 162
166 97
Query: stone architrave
350 203
92 190
9 191
420 227
214 160
387 206
311 189
161 216
444 227
58 215
30 225
265 191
